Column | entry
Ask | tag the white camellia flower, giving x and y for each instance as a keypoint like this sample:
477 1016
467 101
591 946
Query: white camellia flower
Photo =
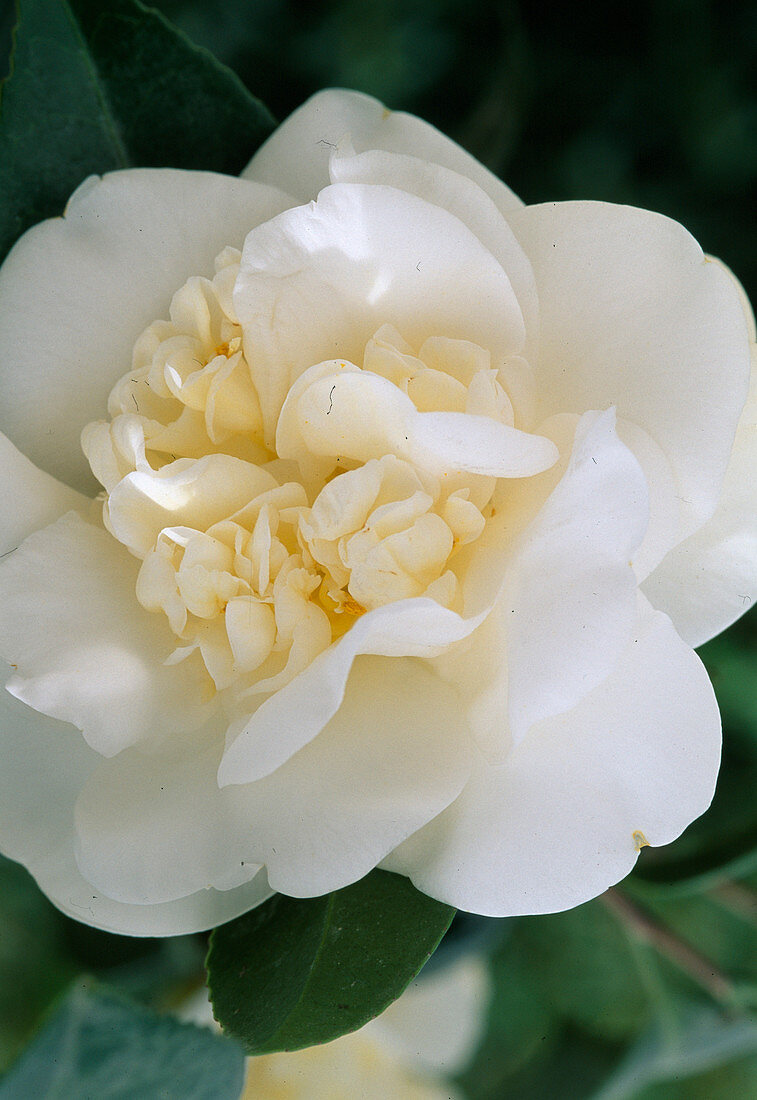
409 502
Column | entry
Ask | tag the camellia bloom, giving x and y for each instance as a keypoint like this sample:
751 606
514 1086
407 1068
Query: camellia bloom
409 503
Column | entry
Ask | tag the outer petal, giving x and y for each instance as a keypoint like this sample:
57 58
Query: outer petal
296 156
389 761
45 764
633 315
709 580
317 282
31 498
155 828
569 603
295 714
554 825
77 291
83 649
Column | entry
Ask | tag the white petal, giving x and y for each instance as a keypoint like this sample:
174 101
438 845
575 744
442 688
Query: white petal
709 580
31 498
45 764
77 291
317 282
455 192
296 156
563 818
633 315
664 499
294 715
569 602
393 756
359 415
194 493
155 828
151 829
83 649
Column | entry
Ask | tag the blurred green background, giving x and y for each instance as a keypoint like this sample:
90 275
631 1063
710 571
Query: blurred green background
652 995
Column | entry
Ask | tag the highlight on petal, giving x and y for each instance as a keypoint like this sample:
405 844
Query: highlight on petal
297 154
317 282
83 649
188 492
554 825
46 762
92 281
632 314
460 195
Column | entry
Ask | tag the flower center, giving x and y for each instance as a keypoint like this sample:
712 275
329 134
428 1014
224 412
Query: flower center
260 558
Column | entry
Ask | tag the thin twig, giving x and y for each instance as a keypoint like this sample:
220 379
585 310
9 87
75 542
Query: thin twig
701 969
739 899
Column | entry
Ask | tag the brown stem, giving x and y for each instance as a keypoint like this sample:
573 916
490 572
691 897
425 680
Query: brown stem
701 969
739 899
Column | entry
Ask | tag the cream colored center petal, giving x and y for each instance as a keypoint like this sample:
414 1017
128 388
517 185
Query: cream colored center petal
258 558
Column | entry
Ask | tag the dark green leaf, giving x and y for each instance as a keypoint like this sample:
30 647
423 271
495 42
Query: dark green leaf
34 967
521 1023
99 1045
95 87
587 969
568 1065
293 973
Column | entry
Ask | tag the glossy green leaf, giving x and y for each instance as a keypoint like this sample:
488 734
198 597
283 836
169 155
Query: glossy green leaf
100 1045
94 87
293 973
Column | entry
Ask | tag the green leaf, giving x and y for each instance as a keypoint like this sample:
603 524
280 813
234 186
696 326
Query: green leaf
569 1065
701 1040
588 970
95 87
293 973
34 968
737 1079
100 1045
521 1023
